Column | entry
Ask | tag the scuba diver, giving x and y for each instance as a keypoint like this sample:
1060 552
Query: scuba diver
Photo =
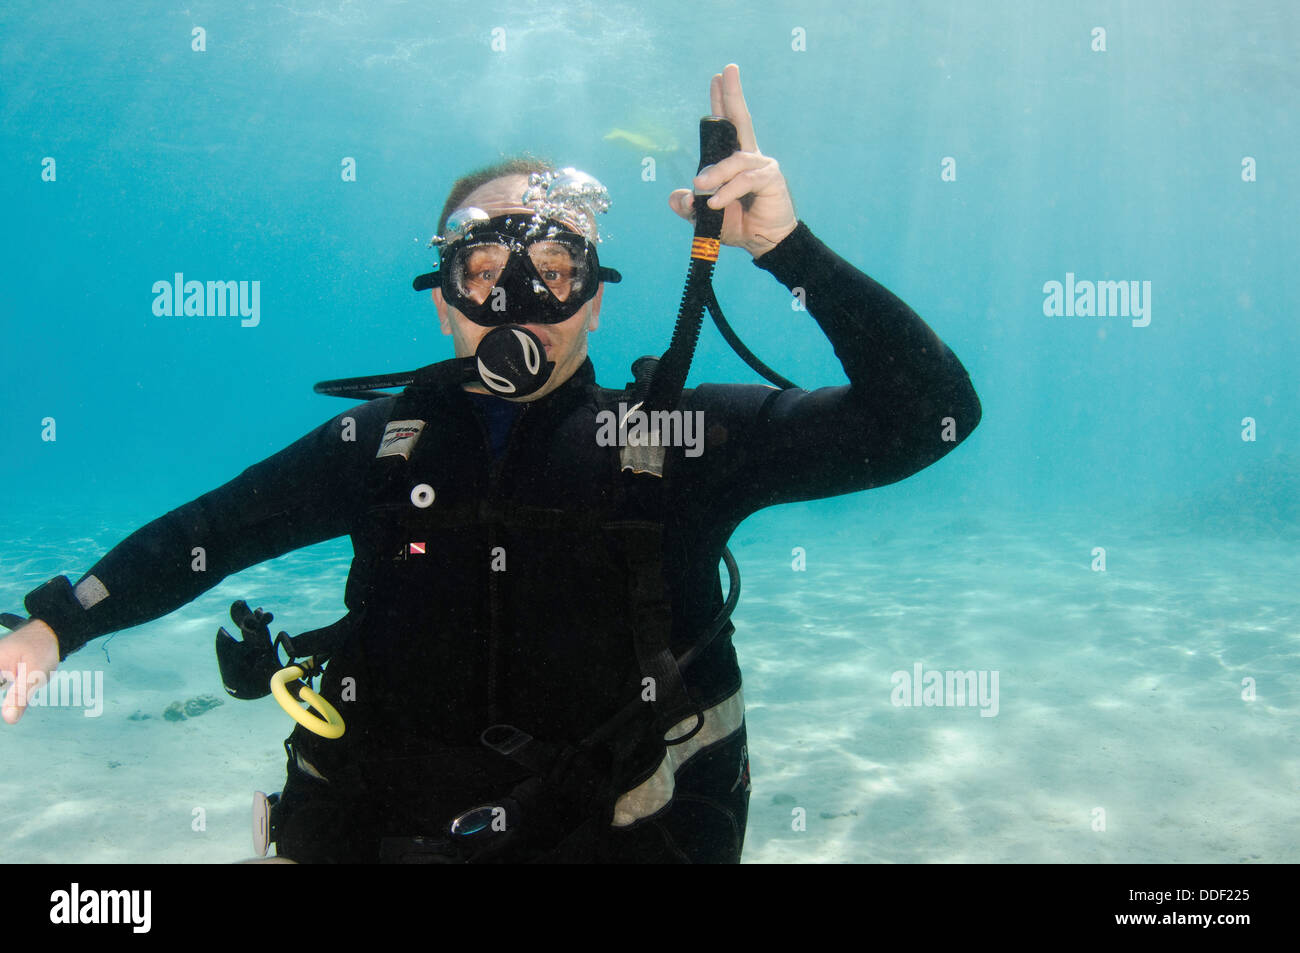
536 663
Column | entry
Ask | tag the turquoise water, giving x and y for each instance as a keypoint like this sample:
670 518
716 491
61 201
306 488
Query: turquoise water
1120 690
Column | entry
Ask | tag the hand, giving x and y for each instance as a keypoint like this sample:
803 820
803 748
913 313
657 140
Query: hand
759 211
31 648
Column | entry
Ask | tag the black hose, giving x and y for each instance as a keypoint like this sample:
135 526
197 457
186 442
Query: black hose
717 141
738 345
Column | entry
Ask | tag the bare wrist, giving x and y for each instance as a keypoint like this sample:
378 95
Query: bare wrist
762 244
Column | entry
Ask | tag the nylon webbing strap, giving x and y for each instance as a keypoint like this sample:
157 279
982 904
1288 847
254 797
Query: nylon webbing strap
651 615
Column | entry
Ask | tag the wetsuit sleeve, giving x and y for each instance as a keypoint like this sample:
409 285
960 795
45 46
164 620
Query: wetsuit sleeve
908 402
302 495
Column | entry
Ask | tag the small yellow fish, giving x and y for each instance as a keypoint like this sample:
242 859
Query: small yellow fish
641 141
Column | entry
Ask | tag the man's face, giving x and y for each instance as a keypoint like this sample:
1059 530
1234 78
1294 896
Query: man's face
566 342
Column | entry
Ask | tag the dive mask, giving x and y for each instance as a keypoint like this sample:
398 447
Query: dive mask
524 267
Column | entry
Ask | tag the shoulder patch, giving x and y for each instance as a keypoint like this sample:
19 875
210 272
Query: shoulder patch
399 438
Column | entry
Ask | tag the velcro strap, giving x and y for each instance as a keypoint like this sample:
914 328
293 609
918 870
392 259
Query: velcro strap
56 605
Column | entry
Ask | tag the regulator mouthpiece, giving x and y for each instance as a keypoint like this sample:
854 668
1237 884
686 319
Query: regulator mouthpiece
511 362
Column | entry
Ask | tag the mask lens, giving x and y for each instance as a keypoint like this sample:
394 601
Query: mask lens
476 268
562 267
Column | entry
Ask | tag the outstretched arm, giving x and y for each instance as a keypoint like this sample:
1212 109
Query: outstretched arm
300 496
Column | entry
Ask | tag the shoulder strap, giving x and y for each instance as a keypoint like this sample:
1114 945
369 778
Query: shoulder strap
648 460
642 488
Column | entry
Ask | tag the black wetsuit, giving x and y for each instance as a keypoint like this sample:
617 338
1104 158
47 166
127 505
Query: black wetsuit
504 600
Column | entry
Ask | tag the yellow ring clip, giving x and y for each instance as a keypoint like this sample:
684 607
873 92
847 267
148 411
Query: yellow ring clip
331 726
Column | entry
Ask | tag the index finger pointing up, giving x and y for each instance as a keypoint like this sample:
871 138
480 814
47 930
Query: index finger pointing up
726 98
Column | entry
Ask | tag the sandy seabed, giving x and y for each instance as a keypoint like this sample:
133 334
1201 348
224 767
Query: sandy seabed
1121 733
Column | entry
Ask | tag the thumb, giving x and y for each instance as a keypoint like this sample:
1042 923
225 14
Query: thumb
15 700
12 711
682 201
